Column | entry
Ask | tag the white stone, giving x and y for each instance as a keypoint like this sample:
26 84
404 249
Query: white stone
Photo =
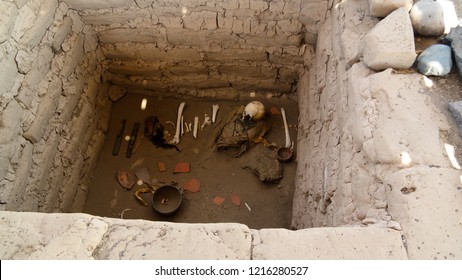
390 44
426 203
451 19
427 18
382 8
327 243
8 13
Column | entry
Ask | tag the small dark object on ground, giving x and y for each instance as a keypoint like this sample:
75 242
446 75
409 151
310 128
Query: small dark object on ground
155 131
167 199
285 154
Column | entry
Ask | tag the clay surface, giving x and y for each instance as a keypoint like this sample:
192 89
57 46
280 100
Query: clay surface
218 174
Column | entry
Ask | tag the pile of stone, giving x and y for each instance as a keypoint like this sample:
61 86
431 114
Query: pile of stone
454 39
390 44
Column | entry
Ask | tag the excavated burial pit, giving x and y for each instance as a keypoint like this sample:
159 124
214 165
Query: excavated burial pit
218 174
66 58
192 52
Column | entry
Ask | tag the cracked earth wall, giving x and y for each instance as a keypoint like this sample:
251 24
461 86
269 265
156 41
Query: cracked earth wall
54 106
355 126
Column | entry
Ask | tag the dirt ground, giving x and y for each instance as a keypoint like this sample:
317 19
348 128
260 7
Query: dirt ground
219 175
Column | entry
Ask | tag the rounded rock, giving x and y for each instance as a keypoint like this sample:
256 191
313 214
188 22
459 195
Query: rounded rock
427 18
436 60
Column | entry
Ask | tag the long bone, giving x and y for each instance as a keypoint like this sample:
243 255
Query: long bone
196 125
176 138
286 128
182 126
215 108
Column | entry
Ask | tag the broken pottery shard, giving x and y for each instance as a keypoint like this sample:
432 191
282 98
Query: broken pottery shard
161 166
143 175
235 199
125 179
181 167
218 200
274 111
192 185
137 162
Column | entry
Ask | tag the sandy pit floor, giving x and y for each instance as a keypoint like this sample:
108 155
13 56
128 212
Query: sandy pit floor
218 174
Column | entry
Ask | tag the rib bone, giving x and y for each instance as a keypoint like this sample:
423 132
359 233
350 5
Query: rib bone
182 126
215 108
176 138
196 125
286 128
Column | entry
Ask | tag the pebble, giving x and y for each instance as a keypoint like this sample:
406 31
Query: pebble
427 18
455 40
436 60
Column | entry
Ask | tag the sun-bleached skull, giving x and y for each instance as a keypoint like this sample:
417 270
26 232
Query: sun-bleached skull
254 110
